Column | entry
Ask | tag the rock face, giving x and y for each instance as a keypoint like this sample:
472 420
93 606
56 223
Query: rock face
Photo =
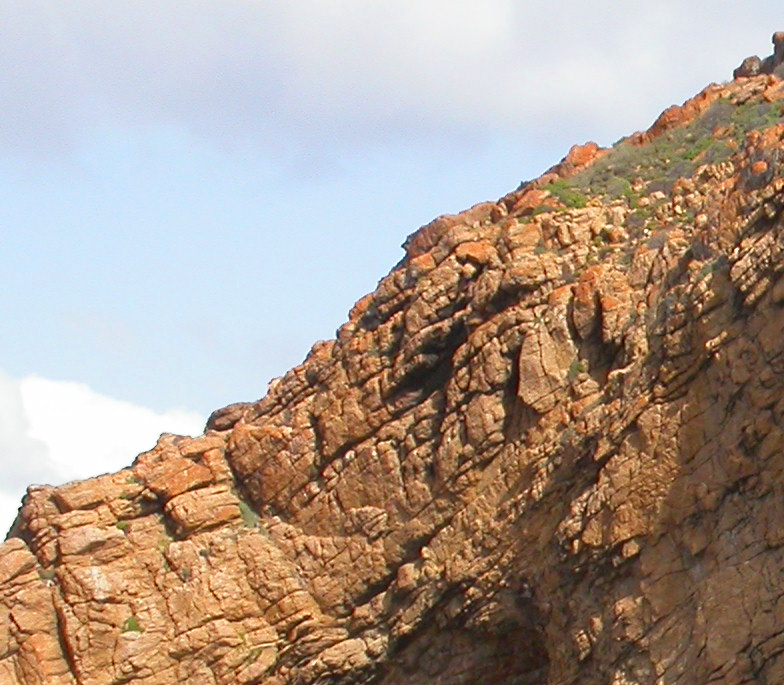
754 66
547 450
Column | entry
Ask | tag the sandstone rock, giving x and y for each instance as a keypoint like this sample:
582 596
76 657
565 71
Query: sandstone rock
751 66
754 66
548 449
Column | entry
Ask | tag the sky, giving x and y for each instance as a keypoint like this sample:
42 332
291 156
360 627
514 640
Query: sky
193 192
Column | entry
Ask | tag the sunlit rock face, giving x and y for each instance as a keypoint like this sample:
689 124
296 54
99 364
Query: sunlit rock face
547 450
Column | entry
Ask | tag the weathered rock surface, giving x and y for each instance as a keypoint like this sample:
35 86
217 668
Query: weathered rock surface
548 449
754 66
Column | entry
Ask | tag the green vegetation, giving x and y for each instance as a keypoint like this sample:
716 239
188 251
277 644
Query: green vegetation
542 209
253 655
566 194
123 526
249 517
709 139
131 625
46 574
576 368
705 271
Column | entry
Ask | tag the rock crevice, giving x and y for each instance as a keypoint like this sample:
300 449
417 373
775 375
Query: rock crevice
546 450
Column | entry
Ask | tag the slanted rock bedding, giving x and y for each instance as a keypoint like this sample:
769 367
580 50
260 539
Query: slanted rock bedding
548 449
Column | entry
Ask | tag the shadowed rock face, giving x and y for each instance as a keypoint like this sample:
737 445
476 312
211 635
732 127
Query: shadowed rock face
548 449
754 66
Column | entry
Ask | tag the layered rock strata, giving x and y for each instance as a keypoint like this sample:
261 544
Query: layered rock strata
548 449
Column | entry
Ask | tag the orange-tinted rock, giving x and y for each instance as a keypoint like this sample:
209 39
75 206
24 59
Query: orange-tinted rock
529 201
428 236
547 449
679 115
479 252
578 157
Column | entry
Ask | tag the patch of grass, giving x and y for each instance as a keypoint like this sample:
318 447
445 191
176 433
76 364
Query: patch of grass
698 148
249 517
46 574
672 155
618 187
542 209
637 221
752 116
131 625
719 151
705 271
576 368
566 194
123 526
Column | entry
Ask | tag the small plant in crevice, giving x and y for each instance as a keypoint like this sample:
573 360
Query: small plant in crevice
705 271
577 367
253 655
249 517
47 574
132 625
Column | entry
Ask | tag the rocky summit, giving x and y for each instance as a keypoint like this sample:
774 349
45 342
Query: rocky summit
547 450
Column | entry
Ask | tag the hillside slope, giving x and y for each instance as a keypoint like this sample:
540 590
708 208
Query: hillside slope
548 449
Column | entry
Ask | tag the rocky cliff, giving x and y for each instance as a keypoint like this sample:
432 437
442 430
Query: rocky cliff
548 449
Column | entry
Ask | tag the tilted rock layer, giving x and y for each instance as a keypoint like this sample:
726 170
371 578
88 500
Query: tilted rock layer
547 450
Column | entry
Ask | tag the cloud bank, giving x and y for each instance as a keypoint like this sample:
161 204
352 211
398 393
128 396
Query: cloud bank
277 73
52 432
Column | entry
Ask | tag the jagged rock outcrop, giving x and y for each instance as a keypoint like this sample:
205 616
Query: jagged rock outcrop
548 449
754 66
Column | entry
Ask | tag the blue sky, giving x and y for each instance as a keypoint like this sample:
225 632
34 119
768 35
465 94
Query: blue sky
193 192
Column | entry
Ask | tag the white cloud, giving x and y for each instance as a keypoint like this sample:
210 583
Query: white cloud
56 431
281 73
25 458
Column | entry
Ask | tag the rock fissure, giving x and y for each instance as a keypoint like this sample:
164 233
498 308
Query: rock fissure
547 450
